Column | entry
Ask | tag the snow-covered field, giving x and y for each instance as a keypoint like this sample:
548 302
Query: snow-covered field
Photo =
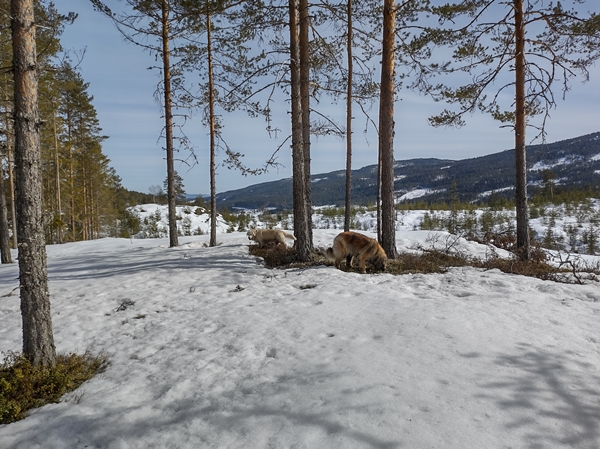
209 349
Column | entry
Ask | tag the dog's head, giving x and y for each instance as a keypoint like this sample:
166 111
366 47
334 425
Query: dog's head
251 234
379 260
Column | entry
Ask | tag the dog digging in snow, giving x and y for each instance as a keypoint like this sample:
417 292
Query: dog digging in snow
265 236
351 245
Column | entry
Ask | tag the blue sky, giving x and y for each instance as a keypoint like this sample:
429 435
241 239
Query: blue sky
123 89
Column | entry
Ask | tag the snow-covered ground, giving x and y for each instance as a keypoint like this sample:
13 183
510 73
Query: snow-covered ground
571 228
209 349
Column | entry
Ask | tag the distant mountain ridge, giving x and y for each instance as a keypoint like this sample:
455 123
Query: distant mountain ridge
575 162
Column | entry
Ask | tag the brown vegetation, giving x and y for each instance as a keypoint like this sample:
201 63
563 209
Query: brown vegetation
432 260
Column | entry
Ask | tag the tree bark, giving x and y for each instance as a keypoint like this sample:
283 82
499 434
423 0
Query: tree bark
378 197
72 217
211 113
386 130
11 184
305 100
9 157
298 165
522 213
171 194
57 178
38 339
348 121
5 256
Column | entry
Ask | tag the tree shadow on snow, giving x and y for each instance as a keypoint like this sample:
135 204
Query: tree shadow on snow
251 402
553 399
145 259
265 408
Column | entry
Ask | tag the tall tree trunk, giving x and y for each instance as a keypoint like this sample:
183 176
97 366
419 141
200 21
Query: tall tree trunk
211 118
85 220
72 223
9 153
305 100
171 195
95 212
522 213
57 180
84 186
386 130
38 340
299 196
348 122
11 186
5 256
378 195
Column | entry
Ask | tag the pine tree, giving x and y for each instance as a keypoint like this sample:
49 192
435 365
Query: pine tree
6 146
349 100
76 151
38 339
6 138
301 231
228 67
154 27
178 187
540 43
5 256
386 130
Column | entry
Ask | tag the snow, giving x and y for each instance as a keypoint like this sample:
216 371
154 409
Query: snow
191 220
490 192
217 351
417 193
542 165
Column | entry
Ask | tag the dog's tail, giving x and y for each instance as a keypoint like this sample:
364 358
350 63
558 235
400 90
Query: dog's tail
289 236
329 253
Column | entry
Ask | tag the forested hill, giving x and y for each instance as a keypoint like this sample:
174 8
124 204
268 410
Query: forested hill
574 162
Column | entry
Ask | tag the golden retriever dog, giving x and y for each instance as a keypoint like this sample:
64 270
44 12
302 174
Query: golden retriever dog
266 236
351 245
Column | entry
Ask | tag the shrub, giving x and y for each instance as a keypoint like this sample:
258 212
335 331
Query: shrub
431 261
186 226
275 256
533 268
24 386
